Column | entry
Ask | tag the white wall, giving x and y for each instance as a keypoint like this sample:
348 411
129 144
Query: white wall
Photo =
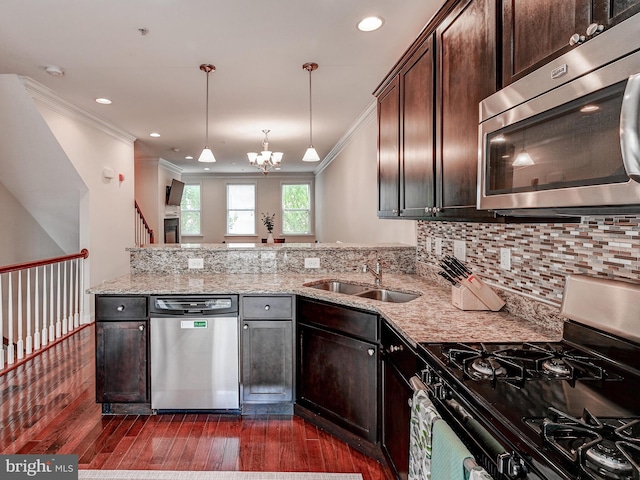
107 210
347 198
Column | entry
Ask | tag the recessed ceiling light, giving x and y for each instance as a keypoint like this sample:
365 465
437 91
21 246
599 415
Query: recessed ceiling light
103 101
154 134
370 24
54 70
188 157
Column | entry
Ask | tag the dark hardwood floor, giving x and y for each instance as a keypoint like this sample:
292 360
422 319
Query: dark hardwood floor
47 405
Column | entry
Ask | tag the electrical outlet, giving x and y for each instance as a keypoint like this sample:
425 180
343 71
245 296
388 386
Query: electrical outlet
311 263
438 246
196 263
428 245
460 250
505 258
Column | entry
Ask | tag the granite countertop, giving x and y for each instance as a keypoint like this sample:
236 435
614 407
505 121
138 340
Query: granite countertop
429 318
269 246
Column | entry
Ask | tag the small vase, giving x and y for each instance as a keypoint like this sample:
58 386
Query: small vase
270 238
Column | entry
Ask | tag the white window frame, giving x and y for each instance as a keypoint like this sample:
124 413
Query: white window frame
255 197
199 185
310 209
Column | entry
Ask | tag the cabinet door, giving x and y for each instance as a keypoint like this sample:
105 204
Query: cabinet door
267 361
121 361
338 379
466 59
396 416
535 32
389 150
417 187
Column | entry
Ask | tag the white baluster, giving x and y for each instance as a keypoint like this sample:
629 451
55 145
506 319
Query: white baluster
10 346
1 326
76 316
58 322
36 308
29 338
81 296
19 320
45 330
64 296
52 330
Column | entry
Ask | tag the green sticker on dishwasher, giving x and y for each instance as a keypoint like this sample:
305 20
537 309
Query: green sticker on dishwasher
200 324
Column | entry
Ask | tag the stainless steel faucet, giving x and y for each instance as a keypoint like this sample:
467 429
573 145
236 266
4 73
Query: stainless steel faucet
377 272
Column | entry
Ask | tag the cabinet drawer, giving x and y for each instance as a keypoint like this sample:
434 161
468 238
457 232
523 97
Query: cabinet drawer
346 320
266 307
121 307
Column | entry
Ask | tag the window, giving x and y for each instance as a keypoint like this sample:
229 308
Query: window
190 210
296 209
241 209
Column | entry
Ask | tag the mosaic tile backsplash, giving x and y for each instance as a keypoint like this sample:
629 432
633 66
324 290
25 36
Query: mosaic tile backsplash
541 254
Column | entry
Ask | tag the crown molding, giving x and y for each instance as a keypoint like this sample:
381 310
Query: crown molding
365 118
170 166
49 99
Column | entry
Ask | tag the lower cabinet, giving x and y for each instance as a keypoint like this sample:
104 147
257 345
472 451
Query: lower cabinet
398 365
122 350
267 353
338 366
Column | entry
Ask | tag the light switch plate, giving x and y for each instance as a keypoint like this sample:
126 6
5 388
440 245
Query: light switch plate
196 263
459 250
505 258
311 263
438 246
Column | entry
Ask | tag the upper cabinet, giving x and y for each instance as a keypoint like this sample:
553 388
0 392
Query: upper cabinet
466 68
389 150
534 33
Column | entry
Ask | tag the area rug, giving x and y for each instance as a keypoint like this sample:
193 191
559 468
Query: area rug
184 475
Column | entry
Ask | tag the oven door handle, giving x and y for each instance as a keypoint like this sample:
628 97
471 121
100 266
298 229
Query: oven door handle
629 128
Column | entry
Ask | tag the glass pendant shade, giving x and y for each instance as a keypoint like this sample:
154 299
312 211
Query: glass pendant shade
206 156
523 160
311 155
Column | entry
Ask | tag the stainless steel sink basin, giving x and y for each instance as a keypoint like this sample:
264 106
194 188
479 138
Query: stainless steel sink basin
364 291
391 296
340 287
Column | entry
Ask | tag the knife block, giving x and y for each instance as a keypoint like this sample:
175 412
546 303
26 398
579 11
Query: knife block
462 298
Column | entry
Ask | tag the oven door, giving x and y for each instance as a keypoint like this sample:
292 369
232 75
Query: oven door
574 146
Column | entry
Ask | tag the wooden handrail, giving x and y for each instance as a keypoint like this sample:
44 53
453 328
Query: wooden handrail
144 222
84 253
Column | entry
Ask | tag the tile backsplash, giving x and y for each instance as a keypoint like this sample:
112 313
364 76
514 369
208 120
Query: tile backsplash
542 254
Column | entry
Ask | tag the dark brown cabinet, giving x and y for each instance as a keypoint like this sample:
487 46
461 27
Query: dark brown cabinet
267 351
399 364
466 74
338 366
534 33
122 330
389 151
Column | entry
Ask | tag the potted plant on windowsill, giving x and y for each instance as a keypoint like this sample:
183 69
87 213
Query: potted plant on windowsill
267 219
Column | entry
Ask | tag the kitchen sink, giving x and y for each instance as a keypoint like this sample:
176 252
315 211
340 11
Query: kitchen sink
391 296
364 291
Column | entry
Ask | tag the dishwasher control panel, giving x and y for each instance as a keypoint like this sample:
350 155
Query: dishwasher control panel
194 304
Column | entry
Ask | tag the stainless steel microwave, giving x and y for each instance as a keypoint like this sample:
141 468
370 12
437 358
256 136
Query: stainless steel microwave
567 135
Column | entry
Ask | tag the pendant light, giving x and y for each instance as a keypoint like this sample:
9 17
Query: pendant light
310 155
207 155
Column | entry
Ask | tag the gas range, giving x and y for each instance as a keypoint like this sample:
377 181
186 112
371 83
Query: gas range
560 410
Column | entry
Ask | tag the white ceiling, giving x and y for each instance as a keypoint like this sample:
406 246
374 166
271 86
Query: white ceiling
258 48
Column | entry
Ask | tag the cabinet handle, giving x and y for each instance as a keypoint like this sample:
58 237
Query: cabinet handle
371 352
245 327
267 307
394 211
437 209
427 209
594 29
120 308
141 328
396 348
576 39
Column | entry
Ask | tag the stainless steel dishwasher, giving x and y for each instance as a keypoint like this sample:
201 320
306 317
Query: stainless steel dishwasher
194 352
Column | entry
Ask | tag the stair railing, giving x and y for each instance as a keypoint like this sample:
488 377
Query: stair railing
143 233
40 302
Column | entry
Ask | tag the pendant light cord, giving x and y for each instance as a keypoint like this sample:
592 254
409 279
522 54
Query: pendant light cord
310 111
206 135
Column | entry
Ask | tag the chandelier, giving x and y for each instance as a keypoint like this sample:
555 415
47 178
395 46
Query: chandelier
266 159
